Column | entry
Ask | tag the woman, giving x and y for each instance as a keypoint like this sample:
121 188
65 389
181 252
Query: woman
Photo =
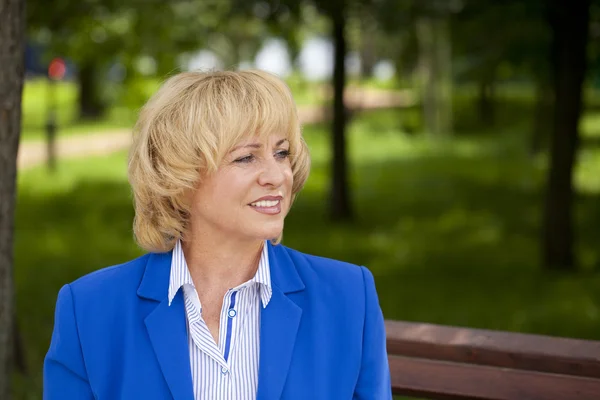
218 309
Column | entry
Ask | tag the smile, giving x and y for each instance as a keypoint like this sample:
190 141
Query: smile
270 207
265 203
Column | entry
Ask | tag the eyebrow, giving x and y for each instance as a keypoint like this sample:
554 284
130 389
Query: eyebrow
257 145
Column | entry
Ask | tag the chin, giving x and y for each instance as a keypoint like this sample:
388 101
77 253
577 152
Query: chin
272 235
269 233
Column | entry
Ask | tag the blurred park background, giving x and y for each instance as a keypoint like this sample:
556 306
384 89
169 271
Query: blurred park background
462 166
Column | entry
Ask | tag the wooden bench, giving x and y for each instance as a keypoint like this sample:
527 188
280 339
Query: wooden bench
440 362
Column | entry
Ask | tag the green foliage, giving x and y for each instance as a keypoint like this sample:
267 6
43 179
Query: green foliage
450 231
501 40
491 40
144 38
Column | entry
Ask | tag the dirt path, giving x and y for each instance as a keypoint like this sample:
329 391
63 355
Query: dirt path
32 153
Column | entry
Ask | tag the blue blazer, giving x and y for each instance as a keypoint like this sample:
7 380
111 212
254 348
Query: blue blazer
322 334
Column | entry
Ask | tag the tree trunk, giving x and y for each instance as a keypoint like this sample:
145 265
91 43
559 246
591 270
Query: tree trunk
435 74
425 38
90 103
12 50
569 21
368 56
340 202
486 101
444 72
542 123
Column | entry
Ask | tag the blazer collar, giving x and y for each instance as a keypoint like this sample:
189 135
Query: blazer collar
284 274
155 282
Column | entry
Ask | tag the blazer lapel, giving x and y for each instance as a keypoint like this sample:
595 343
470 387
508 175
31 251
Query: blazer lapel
166 327
279 325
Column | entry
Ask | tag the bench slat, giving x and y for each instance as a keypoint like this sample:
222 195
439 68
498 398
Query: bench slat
441 380
494 348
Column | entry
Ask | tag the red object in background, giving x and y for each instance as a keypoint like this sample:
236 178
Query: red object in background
57 69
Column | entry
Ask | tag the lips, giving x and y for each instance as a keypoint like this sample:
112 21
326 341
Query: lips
267 199
267 205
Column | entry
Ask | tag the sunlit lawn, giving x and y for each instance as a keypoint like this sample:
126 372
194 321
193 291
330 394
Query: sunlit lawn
450 231
36 93
127 100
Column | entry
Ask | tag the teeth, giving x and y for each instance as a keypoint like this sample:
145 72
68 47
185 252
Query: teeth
265 203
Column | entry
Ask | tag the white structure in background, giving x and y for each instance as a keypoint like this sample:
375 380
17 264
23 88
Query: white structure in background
384 70
353 64
316 59
246 65
274 57
204 60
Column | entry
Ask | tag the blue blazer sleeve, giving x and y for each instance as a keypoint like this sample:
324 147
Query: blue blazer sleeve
65 376
374 379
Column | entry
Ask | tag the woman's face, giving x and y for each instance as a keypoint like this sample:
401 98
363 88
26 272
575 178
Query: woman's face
249 195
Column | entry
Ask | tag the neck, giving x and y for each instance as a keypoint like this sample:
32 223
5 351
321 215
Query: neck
221 263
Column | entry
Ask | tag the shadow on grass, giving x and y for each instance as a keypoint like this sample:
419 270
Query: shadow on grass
457 248
450 240
58 239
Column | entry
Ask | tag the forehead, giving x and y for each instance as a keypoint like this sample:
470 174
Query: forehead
257 142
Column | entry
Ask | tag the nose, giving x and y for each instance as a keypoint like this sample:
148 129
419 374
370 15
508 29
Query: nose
272 174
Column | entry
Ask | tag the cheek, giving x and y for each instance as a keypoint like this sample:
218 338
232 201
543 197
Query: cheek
228 183
289 176
213 192
289 185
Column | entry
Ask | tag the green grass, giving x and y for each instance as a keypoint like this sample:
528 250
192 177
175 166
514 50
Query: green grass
450 231
126 101
35 112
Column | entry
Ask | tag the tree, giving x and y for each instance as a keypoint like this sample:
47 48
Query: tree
76 31
570 26
96 34
336 11
425 26
12 50
340 197
435 66
516 43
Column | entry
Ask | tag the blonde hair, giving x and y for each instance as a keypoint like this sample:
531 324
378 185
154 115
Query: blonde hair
187 127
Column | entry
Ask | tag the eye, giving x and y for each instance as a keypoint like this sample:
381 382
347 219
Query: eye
282 154
245 159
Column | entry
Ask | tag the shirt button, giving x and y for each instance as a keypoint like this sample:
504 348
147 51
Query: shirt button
224 370
232 313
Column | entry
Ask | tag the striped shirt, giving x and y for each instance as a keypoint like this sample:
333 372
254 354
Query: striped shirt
227 370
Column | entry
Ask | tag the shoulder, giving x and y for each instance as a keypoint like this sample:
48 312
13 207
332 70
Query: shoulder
328 271
113 277
336 291
110 287
332 265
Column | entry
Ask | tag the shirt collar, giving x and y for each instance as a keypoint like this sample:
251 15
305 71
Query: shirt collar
263 276
180 274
